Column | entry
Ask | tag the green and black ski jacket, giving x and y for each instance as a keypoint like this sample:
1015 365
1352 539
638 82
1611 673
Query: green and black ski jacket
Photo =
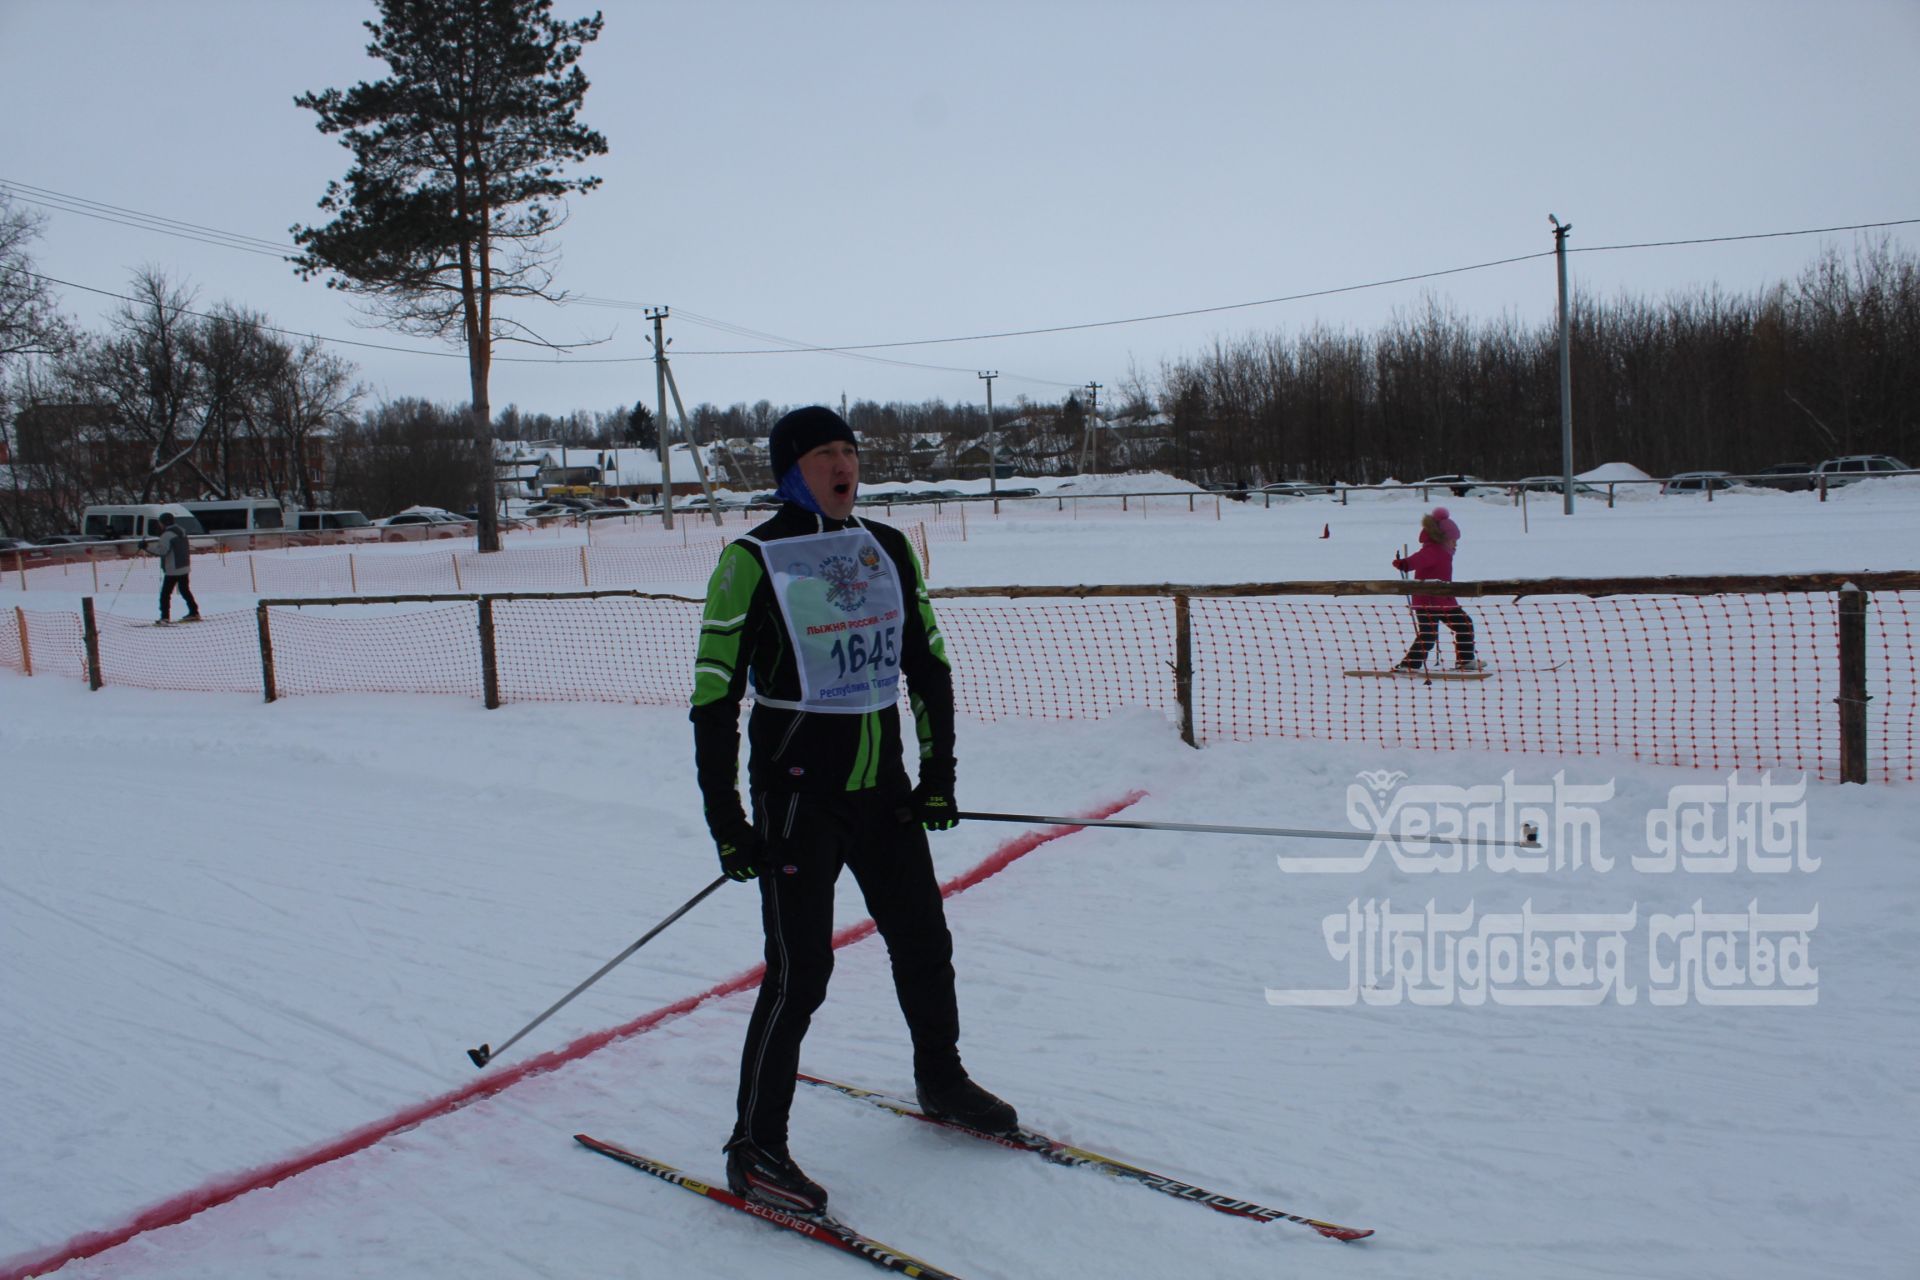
744 646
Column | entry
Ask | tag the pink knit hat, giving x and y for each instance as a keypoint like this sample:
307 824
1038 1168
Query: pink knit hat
1441 526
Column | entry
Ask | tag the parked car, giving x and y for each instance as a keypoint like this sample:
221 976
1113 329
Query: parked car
421 515
1552 484
14 544
70 539
1791 476
1460 485
1696 482
549 510
1293 489
1858 466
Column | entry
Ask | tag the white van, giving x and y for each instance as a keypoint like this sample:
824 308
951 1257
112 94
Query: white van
238 515
135 520
314 521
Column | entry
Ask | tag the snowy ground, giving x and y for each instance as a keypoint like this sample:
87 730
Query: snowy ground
235 932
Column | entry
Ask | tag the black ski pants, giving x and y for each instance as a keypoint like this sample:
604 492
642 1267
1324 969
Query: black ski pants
168 585
1427 631
808 839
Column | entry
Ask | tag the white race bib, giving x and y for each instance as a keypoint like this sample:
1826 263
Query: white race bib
845 613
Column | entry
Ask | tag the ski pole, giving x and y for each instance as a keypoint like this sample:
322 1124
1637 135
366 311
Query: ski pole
1527 829
131 561
485 1053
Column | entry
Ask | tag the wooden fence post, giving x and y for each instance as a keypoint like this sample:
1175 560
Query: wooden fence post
489 664
268 684
1183 664
92 637
1853 684
26 645
583 568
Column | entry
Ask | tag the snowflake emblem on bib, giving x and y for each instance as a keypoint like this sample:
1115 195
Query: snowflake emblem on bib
846 584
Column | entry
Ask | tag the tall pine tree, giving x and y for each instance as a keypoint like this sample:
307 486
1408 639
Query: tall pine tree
456 178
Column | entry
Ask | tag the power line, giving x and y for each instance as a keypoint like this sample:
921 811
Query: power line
1163 315
790 346
1758 235
144 221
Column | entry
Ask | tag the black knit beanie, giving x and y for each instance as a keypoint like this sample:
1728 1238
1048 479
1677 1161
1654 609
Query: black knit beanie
803 430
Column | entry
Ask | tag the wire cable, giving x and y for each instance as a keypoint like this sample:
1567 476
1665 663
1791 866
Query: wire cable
790 346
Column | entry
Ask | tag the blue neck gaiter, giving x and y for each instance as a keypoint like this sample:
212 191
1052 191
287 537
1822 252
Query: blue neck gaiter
794 489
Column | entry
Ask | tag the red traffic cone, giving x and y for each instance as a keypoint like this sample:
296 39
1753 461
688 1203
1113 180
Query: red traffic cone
1326 531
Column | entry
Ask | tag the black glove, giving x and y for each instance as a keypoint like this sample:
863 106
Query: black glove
740 847
933 804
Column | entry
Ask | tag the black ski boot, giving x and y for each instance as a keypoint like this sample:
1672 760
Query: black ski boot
965 1103
772 1178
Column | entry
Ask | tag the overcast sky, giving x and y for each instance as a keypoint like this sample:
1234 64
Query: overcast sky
831 172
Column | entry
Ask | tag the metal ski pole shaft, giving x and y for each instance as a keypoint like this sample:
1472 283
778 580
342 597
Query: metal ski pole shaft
1532 840
128 573
485 1053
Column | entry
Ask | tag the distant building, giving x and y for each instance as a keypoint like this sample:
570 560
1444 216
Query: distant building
529 469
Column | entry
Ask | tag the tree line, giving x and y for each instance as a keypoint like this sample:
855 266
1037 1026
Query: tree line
1826 364
172 400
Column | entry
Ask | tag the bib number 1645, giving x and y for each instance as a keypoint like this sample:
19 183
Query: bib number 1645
863 649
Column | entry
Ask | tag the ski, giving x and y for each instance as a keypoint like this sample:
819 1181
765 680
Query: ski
1053 1151
1425 675
820 1227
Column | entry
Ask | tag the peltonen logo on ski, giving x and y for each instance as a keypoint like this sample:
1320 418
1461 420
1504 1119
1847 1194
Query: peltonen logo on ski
1056 1152
820 1227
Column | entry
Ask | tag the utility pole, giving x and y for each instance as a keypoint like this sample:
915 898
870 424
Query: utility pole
692 438
993 439
1561 230
1093 422
658 314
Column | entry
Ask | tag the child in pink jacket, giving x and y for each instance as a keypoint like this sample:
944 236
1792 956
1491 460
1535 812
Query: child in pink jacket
1433 562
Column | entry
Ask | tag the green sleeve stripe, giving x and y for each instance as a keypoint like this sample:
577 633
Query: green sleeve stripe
936 643
922 727
729 592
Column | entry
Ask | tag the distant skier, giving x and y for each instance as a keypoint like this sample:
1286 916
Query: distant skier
175 560
818 613
1433 562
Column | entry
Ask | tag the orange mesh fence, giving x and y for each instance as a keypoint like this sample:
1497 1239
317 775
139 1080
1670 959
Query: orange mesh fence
1730 680
56 641
219 654
615 649
342 649
1893 681
634 559
1134 506
1715 682
1063 660
13 649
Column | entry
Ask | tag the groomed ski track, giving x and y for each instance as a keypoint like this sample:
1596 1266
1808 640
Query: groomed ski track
493 1080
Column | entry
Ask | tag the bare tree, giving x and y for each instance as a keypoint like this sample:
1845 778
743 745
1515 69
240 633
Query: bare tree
30 323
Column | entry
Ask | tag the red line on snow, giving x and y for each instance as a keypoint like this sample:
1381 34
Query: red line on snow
178 1209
